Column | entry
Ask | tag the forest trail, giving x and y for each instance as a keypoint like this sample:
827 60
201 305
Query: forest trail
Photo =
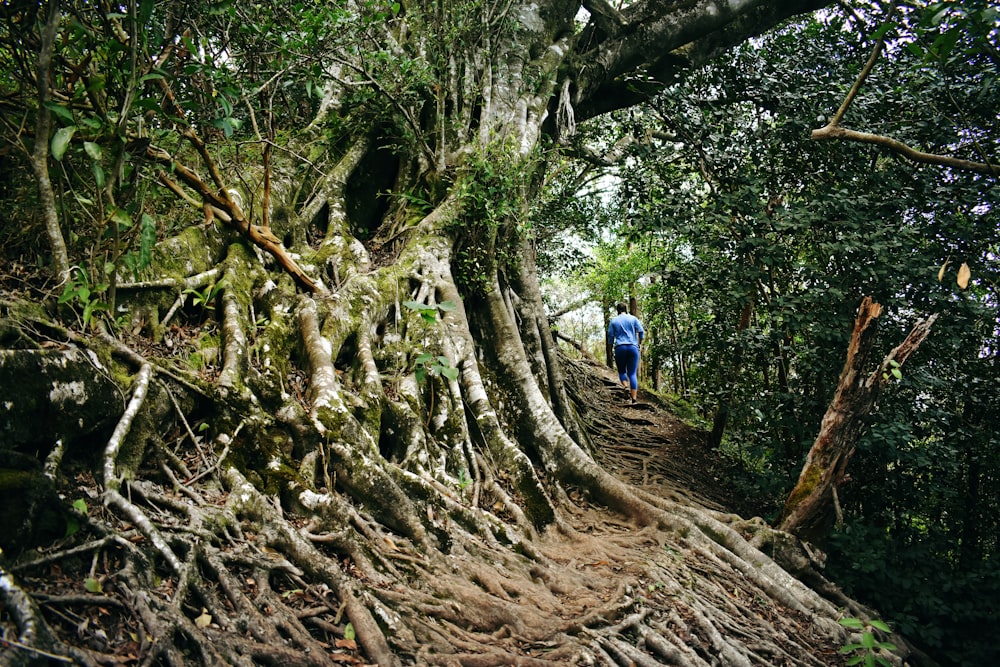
646 445
596 588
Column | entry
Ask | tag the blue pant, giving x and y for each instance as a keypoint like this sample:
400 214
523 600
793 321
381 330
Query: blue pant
627 361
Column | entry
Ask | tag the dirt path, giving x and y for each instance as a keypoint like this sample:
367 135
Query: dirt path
597 589
646 445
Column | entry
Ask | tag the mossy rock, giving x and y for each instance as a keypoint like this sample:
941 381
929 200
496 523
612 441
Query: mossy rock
50 395
30 511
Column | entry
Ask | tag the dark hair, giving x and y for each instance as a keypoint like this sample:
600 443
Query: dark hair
621 307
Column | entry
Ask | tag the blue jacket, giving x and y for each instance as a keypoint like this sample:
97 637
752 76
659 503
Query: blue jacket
625 329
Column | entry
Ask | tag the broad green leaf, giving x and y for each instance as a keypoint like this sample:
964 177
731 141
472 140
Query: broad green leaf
92 149
60 111
145 11
80 505
147 240
450 372
880 625
92 585
349 632
852 623
446 306
121 217
99 178
60 141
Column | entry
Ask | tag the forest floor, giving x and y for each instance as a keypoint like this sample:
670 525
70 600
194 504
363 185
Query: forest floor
648 446
598 585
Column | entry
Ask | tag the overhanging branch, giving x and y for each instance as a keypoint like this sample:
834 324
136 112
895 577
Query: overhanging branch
833 130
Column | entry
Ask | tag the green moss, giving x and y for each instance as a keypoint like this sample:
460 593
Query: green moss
805 487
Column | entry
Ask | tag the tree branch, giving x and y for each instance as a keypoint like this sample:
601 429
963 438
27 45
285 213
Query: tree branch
921 157
833 130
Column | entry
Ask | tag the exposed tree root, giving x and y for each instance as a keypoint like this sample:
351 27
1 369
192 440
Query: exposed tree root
346 512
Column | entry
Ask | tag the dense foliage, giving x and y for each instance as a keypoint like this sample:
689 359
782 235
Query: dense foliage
757 245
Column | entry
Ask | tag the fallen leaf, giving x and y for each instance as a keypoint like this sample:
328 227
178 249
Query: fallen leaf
943 267
204 620
348 644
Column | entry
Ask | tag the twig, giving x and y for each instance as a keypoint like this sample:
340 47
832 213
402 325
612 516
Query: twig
187 426
37 651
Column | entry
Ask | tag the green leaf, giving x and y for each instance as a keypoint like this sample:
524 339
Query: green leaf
60 111
121 217
72 526
92 149
60 141
92 585
99 178
450 372
145 11
424 358
852 623
147 239
80 505
349 632
446 306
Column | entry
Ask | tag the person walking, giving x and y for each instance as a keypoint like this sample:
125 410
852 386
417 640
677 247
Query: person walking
625 332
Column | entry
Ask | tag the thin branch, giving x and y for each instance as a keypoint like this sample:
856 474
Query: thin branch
833 130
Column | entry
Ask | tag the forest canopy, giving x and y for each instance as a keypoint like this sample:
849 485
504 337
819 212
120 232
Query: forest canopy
281 385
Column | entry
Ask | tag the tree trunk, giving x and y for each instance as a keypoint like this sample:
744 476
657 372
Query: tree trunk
811 508
40 154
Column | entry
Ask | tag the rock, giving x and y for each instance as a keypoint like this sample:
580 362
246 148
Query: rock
48 395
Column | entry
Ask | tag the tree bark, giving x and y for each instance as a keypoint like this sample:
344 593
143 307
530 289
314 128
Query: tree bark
810 510
40 153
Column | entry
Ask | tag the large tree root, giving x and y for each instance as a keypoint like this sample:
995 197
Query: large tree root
347 511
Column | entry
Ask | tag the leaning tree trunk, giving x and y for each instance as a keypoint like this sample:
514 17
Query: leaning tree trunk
812 506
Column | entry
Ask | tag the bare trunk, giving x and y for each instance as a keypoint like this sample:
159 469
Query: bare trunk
40 154
811 508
